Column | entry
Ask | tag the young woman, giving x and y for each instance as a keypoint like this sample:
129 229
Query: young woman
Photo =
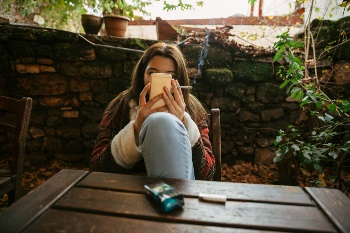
170 141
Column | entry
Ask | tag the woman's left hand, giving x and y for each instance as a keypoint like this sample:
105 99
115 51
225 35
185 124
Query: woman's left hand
176 104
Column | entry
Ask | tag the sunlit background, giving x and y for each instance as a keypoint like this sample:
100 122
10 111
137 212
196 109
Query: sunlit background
259 34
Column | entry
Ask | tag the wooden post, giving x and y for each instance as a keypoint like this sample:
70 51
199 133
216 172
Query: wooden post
261 2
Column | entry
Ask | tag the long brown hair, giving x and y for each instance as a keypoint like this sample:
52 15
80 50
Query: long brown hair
120 112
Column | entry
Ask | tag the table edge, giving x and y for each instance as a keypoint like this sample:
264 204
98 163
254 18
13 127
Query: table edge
52 190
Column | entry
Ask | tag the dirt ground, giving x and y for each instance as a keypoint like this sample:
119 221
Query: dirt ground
239 172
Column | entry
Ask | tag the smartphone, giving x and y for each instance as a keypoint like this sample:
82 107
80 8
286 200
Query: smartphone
158 81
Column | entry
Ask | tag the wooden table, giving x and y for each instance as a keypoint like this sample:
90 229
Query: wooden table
80 201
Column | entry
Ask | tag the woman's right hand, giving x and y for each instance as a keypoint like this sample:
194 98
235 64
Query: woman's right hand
145 110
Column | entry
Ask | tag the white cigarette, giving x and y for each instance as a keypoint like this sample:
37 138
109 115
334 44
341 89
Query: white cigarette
212 197
184 87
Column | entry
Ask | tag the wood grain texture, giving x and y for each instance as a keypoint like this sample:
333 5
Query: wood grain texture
79 201
335 205
26 209
231 214
56 221
233 191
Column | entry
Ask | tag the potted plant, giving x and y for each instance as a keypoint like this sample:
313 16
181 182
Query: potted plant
91 23
117 14
116 25
66 15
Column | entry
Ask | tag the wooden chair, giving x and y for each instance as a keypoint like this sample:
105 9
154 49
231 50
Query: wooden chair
14 122
215 130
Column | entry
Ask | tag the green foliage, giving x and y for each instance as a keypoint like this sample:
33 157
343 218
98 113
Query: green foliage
122 7
62 14
180 5
252 2
345 4
138 42
57 14
319 135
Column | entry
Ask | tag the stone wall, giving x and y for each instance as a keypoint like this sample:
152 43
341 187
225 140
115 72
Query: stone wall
72 79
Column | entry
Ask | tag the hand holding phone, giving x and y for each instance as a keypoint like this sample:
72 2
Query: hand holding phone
158 82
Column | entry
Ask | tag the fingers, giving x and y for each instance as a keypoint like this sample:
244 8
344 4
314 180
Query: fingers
175 104
142 98
151 102
144 109
178 93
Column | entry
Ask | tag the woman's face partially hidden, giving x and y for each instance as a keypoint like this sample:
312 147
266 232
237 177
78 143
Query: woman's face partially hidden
158 64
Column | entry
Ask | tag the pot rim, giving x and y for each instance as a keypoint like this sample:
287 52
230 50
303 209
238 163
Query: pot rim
116 16
82 15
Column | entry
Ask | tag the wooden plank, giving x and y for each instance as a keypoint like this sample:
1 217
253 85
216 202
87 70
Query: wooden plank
29 207
69 221
248 215
234 191
335 205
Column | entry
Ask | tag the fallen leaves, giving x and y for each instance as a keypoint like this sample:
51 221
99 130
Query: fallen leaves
246 172
34 176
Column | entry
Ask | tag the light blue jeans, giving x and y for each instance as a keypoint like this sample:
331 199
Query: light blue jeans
166 147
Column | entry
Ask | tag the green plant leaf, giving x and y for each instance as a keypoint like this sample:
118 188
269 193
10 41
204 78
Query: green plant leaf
305 101
306 153
276 159
252 2
284 83
294 92
299 44
328 117
295 147
333 154
284 150
319 104
312 95
278 55
318 168
345 106
297 60
277 140
294 80
300 95
290 58
332 108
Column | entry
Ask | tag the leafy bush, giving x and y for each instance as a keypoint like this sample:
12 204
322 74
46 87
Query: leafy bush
320 132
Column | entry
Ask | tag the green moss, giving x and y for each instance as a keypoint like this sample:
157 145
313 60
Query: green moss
222 75
253 71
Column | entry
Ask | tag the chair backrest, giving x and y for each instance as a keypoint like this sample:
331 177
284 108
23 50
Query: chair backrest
215 129
15 121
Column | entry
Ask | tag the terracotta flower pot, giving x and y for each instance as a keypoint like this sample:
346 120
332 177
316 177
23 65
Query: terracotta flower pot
116 25
91 23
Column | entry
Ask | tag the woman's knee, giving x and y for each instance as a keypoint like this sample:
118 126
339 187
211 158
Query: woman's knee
161 120
162 126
